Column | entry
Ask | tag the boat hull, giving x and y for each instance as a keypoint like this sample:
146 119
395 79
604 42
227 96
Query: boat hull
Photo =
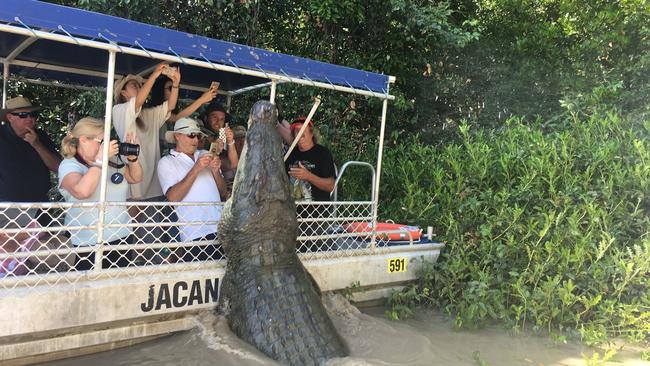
52 321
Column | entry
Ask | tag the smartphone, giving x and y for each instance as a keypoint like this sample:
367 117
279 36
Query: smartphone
169 71
214 149
214 84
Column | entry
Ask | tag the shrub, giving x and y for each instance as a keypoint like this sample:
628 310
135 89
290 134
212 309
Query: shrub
544 226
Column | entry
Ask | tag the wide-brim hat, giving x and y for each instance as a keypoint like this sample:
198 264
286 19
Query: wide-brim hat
185 126
15 104
119 85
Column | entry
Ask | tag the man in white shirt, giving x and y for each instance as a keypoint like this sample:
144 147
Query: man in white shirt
189 174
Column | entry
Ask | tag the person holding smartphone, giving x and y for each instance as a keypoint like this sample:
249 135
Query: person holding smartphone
191 174
312 175
131 115
160 93
216 120
311 163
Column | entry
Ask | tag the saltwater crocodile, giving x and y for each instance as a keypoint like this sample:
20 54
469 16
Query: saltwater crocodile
269 298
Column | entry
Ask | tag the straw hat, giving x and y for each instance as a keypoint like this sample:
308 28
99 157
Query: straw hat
17 103
185 126
119 85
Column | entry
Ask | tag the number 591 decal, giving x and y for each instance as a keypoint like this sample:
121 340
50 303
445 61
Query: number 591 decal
397 265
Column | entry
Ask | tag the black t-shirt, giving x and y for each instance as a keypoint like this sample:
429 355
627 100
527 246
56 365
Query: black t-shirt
317 160
24 177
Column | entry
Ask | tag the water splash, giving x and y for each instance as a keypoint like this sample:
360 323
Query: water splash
214 331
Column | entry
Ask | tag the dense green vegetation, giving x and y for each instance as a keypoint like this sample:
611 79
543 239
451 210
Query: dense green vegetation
520 132
544 227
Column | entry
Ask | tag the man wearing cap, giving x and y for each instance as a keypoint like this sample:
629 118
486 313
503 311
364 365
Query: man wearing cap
189 174
216 118
312 164
27 154
312 174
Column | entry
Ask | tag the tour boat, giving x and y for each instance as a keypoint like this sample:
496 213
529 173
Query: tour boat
51 311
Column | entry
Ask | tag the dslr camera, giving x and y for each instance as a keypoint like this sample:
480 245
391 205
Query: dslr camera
127 149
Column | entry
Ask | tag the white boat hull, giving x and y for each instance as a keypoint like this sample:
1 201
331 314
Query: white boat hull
62 320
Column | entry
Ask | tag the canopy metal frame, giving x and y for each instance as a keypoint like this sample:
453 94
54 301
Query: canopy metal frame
37 34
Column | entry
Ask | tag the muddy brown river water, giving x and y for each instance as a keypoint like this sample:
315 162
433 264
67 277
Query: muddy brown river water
428 338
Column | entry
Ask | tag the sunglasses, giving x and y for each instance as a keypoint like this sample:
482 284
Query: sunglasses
99 140
25 114
194 136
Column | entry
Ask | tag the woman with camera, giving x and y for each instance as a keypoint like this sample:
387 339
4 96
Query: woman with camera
79 181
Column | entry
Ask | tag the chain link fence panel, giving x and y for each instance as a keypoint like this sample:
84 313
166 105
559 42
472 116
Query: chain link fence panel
50 243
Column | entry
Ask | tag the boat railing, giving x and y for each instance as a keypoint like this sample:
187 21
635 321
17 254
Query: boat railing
43 243
342 171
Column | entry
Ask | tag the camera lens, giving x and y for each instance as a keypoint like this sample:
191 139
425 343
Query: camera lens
127 149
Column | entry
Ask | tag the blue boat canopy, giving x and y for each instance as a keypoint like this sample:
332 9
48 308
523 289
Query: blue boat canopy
237 67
